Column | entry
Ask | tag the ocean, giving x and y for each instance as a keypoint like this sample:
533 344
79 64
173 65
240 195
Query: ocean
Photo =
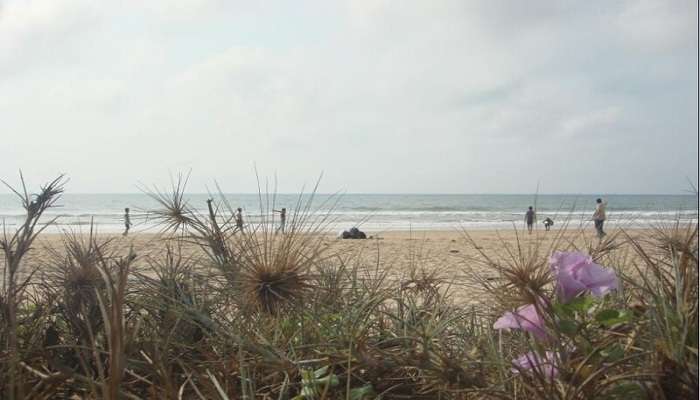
377 212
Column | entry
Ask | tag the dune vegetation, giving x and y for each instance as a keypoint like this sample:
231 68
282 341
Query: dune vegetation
259 315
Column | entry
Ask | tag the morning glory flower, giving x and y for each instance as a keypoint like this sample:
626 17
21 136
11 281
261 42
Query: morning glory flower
525 318
545 365
576 273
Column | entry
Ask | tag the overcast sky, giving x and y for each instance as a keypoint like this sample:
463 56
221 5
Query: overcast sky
382 96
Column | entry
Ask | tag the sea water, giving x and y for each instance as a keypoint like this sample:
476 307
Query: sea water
371 212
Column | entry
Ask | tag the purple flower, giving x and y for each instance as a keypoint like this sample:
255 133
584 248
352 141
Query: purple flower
532 360
576 272
525 318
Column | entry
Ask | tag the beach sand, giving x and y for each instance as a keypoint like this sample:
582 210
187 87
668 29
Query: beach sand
448 252
453 257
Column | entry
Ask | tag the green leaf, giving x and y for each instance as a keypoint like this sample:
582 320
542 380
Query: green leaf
320 372
610 317
361 393
561 310
306 376
607 314
330 380
568 327
625 390
586 347
581 304
307 392
613 353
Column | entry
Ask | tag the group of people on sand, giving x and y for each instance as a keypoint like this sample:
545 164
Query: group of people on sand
598 218
237 217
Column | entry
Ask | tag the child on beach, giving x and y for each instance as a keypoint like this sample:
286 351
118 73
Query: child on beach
127 222
548 223
529 219
599 217
283 219
238 216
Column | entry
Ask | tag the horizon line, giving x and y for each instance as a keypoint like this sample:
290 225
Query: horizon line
339 193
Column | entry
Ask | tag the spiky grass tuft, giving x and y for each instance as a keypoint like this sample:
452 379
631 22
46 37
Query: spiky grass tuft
276 266
173 213
75 276
666 288
273 288
519 274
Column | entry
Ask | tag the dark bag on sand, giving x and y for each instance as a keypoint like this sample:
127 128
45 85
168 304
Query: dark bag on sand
354 233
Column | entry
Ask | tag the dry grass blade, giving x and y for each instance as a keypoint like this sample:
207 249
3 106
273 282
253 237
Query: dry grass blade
173 213
520 275
73 275
14 248
667 289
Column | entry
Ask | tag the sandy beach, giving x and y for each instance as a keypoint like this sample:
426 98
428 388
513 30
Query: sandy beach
451 256
398 251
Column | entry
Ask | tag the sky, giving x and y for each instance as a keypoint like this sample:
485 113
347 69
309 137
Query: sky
380 96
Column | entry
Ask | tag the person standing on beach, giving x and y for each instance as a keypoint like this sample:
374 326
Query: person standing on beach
599 217
529 219
127 222
238 217
283 219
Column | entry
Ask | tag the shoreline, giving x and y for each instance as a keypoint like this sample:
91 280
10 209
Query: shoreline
394 227
587 230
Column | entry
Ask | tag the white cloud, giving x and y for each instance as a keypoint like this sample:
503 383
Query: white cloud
428 96
590 123
658 26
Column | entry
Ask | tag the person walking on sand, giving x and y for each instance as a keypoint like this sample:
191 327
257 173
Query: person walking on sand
283 219
127 222
599 217
238 217
529 219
